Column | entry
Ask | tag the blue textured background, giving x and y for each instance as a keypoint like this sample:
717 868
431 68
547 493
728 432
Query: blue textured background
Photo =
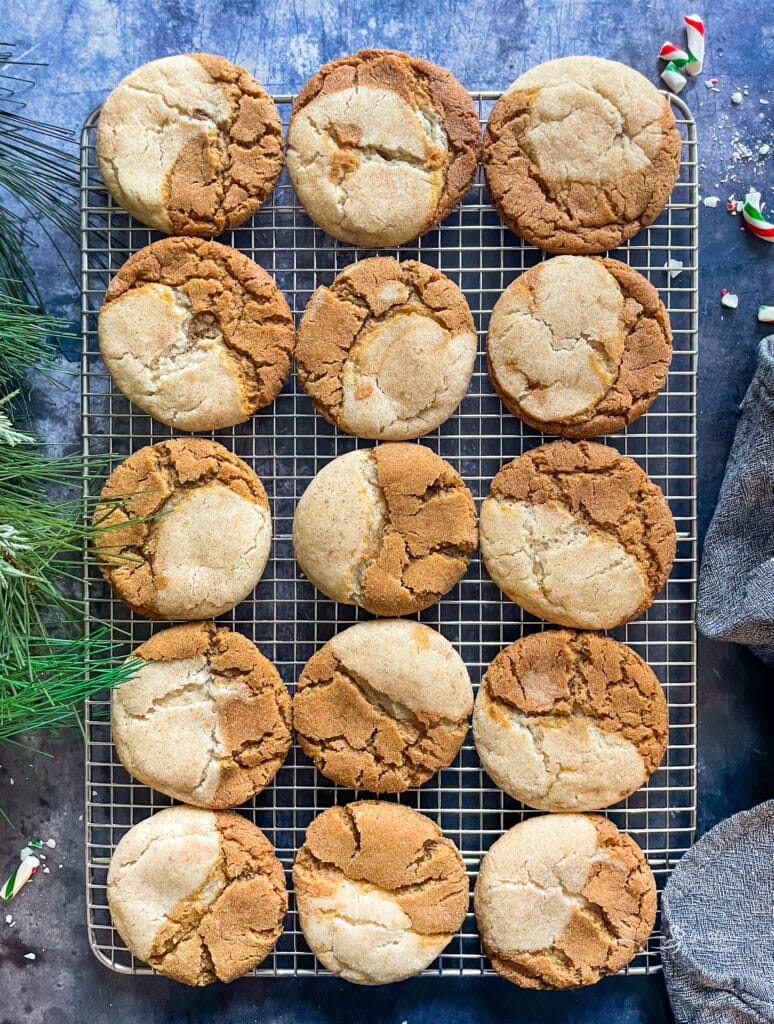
89 45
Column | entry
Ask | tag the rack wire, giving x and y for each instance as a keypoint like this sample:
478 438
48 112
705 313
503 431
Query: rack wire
288 443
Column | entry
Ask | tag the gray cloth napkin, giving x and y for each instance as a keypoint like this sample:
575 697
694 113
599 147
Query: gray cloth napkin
717 919
736 583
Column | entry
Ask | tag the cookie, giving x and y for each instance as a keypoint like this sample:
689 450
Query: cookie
206 719
189 144
387 350
578 535
579 346
198 895
569 721
196 334
185 530
381 147
579 154
380 891
390 529
383 705
563 900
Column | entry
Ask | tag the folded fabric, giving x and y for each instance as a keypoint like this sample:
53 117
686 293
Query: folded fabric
718 944
736 583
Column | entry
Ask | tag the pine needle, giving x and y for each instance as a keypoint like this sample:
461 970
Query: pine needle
47 689
26 337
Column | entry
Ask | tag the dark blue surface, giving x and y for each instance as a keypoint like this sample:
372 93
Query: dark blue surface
89 45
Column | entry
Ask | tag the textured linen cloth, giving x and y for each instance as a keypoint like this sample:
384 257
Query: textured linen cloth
736 583
718 923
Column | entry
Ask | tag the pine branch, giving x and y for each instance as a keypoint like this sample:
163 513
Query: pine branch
26 336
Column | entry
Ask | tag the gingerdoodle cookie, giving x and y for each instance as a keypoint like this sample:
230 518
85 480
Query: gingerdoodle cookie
198 895
579 346
387 350
206 720
186 530
381 147
563 900
380 891
383 705
580 153
390 529
577 534
196 334
570 721
189 144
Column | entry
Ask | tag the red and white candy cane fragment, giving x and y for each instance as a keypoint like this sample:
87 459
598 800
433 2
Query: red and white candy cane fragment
673 53
20 877
754 219
674 80
766 314
694 30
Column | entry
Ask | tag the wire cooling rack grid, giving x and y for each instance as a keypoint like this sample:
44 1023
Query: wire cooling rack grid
288 443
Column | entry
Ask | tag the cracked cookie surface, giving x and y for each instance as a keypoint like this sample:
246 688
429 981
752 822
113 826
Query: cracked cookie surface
579 346
579 154
562 900
390 529
196 334
387 350
577 534
569 721
189 144
206 720
186 530
380 891
383 705
198 895
381 147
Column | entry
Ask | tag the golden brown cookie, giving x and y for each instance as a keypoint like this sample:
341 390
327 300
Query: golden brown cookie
189 144
196 334
186 530
390 529
580 153
563 900
387 350
383 705
570 721
198 895
380 891
381 147
579 346
206 720
577 534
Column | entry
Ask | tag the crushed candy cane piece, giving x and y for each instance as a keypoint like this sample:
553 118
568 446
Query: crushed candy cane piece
736 98
670 52
695 33
673 267
51 844
764 150
673 79
711 201
766 314
19 877
9 918
752 212
729 300
30 956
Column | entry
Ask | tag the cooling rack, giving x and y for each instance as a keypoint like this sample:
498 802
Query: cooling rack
288 443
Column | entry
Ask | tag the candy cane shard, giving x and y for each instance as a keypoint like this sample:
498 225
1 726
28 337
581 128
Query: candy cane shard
766 314
674 54
674 80
19 877
695 33
756 222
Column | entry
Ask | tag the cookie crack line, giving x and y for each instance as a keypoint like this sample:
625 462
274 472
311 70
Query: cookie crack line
330 868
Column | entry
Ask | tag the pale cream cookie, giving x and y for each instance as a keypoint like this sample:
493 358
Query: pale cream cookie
196 334
189 144
198 895
381 147
563 900
206 719
380 891
387 350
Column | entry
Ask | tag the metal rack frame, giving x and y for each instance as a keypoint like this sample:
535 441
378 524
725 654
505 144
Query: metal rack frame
288 443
